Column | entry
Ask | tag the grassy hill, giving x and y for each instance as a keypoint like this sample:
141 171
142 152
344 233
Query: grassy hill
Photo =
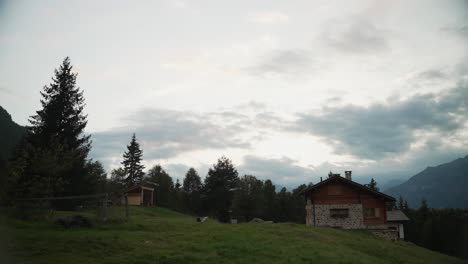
157 235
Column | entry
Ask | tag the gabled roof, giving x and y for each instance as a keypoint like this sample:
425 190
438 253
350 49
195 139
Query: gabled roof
144 186
349 182
396 216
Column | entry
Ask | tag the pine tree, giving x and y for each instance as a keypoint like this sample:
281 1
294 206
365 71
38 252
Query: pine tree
401 203
191 189
164 188
269 196
177 185
132 163
61 118
192 182
56 142
405 206
373 185
219 186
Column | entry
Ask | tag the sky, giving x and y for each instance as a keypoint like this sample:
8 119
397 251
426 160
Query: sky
288 90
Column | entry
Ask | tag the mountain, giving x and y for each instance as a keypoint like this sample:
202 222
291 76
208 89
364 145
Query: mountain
445 185
10 134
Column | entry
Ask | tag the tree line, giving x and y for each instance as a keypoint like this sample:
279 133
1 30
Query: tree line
221 194
444 230
52 160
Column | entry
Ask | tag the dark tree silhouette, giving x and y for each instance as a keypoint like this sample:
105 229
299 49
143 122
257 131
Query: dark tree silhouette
220 185
132 163
373 185
191 189
61 118
53 158
164 189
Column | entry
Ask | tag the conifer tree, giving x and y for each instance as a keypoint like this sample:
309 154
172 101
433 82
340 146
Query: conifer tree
61 118
191 189
164 188
56 142
373 185
220 183
132 163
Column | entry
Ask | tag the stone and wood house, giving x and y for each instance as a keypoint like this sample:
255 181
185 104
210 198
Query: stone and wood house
340 202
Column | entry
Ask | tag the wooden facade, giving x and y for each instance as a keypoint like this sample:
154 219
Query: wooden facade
340 202
140 195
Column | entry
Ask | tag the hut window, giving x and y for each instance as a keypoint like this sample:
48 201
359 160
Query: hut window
339 213
371 212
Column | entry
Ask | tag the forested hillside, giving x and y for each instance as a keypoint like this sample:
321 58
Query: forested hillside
443 186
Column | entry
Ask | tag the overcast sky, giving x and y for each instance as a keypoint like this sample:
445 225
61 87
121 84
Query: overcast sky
288 90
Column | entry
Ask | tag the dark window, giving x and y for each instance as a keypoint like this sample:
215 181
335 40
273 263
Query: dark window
341 213
371 212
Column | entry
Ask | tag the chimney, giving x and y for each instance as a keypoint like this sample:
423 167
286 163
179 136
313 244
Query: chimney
320 179
348 175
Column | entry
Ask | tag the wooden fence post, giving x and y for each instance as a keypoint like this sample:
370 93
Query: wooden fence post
106 199
126 207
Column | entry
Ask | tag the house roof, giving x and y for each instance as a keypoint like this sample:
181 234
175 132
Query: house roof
143 186
396 216
350 182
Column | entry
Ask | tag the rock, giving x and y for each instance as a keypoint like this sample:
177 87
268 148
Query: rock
256 220
73 221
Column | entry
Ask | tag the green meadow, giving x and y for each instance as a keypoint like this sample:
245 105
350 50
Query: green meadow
158 235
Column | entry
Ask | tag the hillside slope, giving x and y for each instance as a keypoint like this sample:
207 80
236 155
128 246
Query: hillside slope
10 134
445 185
156 235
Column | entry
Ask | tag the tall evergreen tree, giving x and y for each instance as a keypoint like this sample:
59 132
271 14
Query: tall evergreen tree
164 189
61 118
56 142
269 194
373 185
248 200
220 184
401 204
132 163
191 189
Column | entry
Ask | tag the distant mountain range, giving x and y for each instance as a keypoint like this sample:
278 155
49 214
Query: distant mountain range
442 186
10 134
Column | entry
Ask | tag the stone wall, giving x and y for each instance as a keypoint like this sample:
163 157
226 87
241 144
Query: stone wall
323 218
387 234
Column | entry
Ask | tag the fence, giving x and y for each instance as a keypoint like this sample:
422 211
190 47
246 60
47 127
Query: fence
100 207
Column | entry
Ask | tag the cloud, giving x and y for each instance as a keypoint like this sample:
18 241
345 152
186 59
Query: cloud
383 130
289 61
356 36
282 171
460 31
269 18
167 133
433 74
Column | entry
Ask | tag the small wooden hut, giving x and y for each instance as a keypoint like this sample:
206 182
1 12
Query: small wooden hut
140 195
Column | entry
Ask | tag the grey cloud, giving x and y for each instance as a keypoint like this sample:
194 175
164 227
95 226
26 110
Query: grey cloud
380 130
357 36
167 133
461 31
293 61
433 74
281 171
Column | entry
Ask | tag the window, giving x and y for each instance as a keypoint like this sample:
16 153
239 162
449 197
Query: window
339 213
371 212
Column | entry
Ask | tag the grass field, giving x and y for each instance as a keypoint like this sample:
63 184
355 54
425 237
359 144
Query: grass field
157 235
